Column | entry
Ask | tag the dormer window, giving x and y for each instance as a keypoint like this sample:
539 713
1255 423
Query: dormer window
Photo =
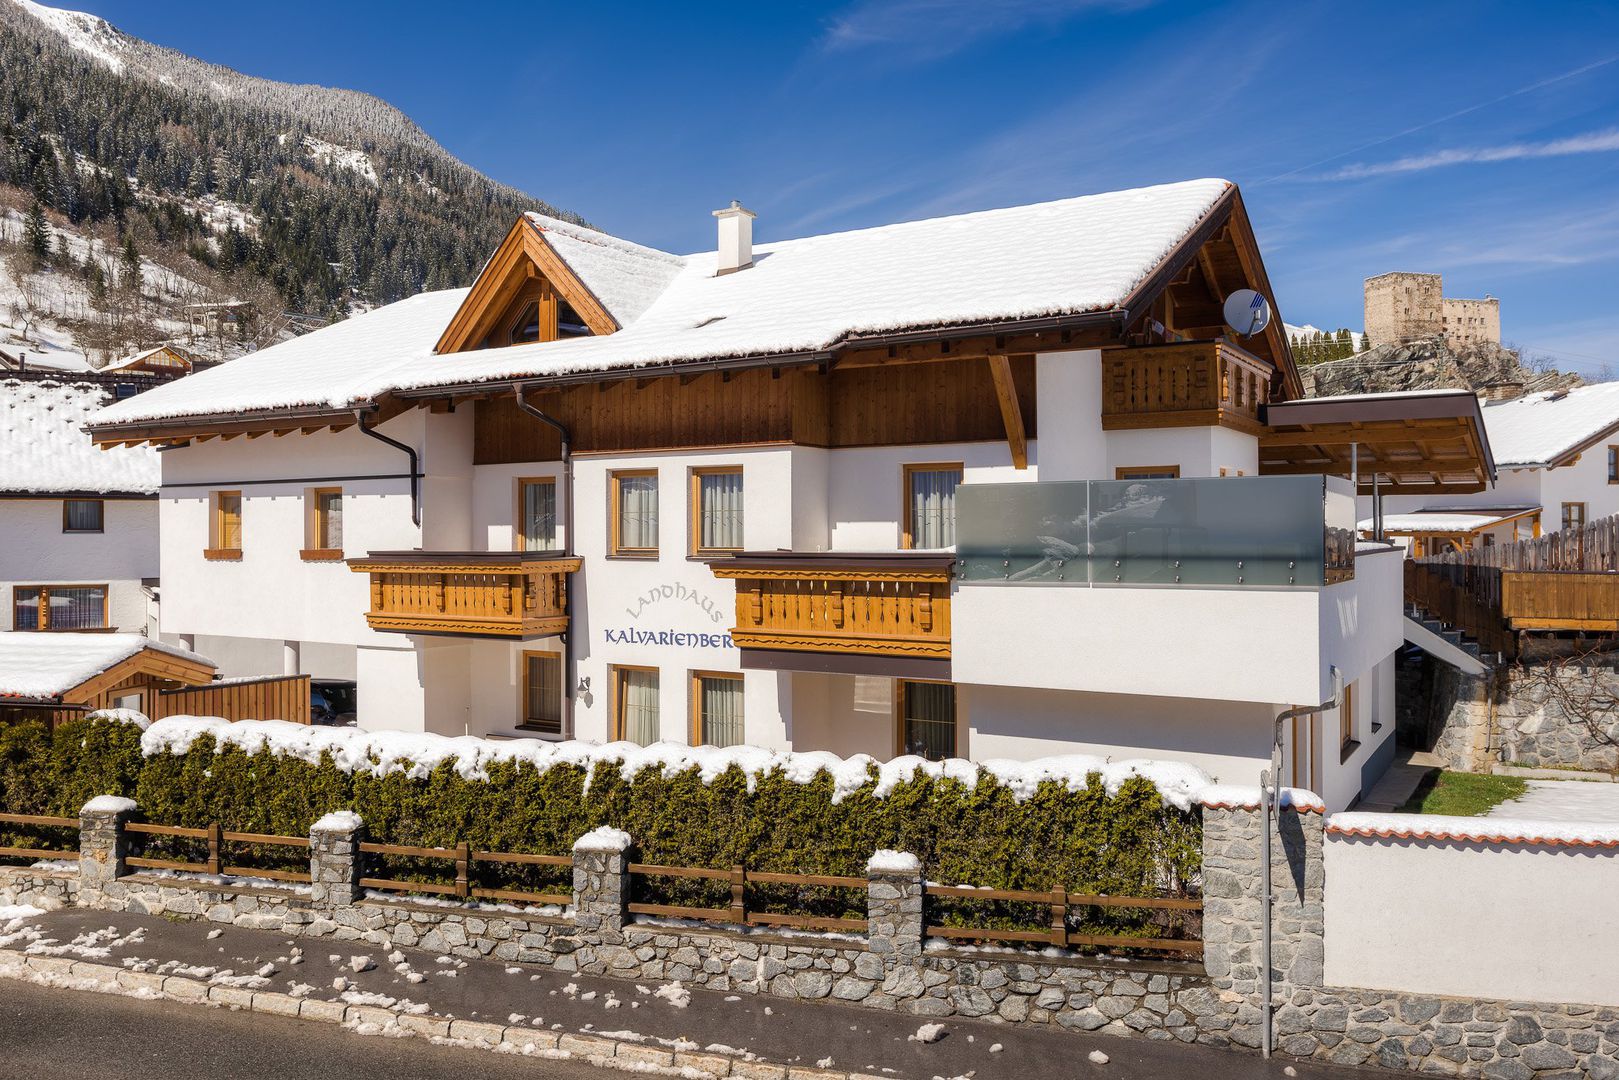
527 325
569 324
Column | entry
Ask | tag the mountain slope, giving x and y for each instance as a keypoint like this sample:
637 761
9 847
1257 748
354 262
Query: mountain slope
332 198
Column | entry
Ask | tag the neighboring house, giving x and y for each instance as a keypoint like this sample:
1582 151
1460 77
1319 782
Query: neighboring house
992 485
1557 453
78 524
163 360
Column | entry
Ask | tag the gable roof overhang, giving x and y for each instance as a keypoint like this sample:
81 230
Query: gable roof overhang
158 663
1421 443
523 255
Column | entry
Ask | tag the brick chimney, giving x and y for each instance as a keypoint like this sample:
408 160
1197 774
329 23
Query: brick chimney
736 239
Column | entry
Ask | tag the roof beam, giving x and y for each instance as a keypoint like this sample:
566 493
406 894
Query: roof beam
1000 371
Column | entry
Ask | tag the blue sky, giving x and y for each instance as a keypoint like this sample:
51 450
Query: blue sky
1479 140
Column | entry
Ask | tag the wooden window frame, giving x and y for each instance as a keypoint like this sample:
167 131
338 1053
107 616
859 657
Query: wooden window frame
899 714
44 606
615 683
101 517
1147 472
615 550
214 552
694 724
694 516
1613 463
1584 515
519 483
523 719
314 525
1347 743
906 540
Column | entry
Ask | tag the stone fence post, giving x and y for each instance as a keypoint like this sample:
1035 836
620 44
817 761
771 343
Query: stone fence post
334 860
601 883
894 907
103 845
1234 904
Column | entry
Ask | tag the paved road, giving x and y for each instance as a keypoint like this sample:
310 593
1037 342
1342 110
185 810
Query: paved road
71 1035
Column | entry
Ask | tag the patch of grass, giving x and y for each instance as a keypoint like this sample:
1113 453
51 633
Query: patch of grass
1459 794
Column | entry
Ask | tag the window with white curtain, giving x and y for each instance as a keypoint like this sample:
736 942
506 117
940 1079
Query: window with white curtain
718 699
59 607
82 515
717 510
636 703
927 719
539 514
635 513
930 494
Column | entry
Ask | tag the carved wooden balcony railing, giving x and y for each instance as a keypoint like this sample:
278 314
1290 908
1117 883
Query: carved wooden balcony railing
498 594
1193 384
893 605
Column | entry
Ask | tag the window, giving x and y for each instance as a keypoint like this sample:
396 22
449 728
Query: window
131 699
1613 464
526 327
930 505
569 324
635 514
1346 720
635 704
927 719
542 692
225 525
1150 472
716 510
59 607
537 514
1573 516
716 709
83 515
323 524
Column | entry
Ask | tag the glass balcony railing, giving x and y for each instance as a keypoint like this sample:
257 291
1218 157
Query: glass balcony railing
1226 531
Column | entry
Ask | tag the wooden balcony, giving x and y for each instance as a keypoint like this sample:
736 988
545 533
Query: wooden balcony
492 594
1193 384
831 611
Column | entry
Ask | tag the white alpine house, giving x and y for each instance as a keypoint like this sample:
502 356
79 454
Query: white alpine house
992 486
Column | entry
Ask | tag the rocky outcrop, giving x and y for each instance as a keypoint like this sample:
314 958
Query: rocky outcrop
1492 370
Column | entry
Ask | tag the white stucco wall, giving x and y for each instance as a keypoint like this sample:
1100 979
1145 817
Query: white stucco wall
35 551
866 495
1196 451
1069 394
1517 922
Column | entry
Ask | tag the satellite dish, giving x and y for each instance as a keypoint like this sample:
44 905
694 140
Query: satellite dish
1247 312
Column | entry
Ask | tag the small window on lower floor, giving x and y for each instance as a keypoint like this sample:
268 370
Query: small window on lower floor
1573 516
59 607
927 719
542 692
716 709
635 705
83 515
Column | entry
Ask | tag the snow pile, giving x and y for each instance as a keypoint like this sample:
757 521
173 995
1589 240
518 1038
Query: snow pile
888 861
337 821
1242 797
417 754
603 838
121 716
41 666
801 296
1488 830
927 1033
108 804
1538 429
43 446
674 994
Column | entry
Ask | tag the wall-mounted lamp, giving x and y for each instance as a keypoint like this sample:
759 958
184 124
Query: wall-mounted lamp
584 684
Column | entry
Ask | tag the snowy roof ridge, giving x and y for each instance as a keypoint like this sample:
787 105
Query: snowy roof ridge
1054 259
42 665
1486 830
1538 430
44 448
625 276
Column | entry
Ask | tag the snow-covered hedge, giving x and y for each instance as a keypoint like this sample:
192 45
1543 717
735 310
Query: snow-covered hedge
1082 823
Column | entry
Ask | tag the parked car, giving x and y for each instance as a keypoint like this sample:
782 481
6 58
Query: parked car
333 702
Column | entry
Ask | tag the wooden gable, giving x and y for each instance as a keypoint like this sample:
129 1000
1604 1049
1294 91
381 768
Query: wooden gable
524 270
147 668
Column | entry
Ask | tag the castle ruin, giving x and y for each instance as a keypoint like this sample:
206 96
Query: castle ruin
1403 307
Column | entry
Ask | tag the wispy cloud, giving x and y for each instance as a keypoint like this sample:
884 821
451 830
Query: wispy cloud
1592 142
929 29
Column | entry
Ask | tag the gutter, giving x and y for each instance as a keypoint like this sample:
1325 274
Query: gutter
410 451
570 675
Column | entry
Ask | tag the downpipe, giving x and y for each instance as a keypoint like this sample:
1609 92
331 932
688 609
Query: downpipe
570 674
1270 808
410 451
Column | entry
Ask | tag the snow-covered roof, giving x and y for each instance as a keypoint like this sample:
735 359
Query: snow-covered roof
1540 429
1448 521
625 277
44 449
135 358
41 666
800 296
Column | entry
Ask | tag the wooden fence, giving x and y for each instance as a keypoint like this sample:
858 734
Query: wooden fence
216 838
1592 547
1059 904
274 697
737 911
466 860
39 821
